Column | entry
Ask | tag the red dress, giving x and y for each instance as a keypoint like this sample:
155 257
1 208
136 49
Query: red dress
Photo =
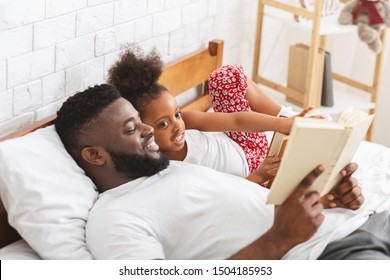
228 86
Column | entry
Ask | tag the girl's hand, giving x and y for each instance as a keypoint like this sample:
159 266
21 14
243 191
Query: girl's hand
304 112
308 109
266 171
288 122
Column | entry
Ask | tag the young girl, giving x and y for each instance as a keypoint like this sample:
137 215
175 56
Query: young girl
135 75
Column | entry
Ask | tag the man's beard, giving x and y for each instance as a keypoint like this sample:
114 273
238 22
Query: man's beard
136 166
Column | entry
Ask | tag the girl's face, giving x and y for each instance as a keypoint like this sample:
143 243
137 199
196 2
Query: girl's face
164 115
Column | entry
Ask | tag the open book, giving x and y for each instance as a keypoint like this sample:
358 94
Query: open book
313 142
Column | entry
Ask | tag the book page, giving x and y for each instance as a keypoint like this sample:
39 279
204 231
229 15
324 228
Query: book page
307 147
278 141
313 142
277 147
359 130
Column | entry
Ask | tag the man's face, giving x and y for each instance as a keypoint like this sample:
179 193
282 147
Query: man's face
129 142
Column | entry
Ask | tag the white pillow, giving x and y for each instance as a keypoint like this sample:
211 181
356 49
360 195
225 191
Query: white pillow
46 194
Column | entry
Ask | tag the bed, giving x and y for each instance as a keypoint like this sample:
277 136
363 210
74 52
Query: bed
38 179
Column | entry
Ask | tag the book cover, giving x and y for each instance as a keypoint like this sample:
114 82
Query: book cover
313 142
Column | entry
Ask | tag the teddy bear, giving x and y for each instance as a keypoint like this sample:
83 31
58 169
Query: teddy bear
370 16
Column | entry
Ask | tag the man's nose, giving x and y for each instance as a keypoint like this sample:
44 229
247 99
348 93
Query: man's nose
146 130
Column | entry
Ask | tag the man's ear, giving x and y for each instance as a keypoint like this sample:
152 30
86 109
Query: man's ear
94 155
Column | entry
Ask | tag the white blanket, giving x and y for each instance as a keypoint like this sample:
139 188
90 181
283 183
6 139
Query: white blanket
373 175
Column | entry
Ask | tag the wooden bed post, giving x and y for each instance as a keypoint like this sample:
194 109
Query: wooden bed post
216 49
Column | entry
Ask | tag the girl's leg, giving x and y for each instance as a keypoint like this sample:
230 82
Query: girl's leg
261 102
228 88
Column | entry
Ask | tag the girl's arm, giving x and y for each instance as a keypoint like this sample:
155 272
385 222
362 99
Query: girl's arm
242 121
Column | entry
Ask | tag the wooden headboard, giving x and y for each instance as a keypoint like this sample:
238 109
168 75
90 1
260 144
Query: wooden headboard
178 76
192 70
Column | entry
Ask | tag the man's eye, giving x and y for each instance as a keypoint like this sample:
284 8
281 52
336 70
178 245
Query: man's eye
163 124
130 130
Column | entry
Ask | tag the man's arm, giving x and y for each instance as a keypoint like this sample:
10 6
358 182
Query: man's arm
347 194
296 220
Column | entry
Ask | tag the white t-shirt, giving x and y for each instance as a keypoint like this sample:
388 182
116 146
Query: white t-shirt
193 212
217 151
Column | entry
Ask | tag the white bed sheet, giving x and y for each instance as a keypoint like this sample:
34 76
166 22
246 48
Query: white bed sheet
373 176
18 250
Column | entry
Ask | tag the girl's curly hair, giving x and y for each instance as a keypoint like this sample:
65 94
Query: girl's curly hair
135 75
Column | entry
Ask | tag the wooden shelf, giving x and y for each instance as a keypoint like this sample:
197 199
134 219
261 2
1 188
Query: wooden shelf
328 26
319 27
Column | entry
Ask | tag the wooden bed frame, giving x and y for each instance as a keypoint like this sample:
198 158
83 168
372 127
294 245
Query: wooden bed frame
178 76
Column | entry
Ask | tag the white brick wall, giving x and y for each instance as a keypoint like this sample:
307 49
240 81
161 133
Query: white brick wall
60 7
31 66
155 6
130 10
16 41
84 75
75 51
143 28
14 13
51 49
50 32
53 87
97 2
6 102
194 12
3 75
167 21
27 97
94 19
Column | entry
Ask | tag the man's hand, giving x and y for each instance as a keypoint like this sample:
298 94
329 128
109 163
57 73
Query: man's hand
296 220
299 217
347 194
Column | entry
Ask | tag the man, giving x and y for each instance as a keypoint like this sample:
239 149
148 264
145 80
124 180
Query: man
150 208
